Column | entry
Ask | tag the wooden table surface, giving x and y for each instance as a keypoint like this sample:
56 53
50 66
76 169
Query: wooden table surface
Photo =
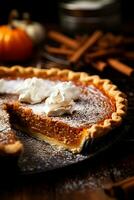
76 182
82 180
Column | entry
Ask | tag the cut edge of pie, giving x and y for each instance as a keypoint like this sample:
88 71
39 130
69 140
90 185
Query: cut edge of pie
12 145
96 130
11 149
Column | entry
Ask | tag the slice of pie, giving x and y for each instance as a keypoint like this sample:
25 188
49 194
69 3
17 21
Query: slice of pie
9 144
61 107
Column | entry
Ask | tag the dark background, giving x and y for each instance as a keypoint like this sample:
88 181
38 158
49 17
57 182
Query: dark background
46 11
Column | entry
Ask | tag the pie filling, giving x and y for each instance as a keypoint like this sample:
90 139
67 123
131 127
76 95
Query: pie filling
93 106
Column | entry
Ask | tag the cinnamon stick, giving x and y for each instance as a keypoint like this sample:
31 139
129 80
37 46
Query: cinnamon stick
126 182
59 37
83 48
121 67
110 40
106 40
58 50
81 39
100 65
126 186
103 53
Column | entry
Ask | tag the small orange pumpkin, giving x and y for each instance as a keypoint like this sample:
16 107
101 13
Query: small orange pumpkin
15 44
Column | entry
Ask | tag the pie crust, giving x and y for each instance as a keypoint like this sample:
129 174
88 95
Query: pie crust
95 130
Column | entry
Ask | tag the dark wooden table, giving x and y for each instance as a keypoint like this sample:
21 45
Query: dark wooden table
77 182
80 181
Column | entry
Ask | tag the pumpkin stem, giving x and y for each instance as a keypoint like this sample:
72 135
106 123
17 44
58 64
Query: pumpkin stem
26 17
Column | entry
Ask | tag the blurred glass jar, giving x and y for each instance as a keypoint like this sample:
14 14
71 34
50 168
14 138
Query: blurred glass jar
88 15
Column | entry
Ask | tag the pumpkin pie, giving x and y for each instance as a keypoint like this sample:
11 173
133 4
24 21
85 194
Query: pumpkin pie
70 107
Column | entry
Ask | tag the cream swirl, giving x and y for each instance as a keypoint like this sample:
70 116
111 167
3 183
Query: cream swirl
33 90
61 100
58 97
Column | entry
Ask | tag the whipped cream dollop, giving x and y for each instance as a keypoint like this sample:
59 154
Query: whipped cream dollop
61 99
33 90
2 86
57 98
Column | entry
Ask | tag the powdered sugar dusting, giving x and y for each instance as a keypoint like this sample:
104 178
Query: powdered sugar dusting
91 107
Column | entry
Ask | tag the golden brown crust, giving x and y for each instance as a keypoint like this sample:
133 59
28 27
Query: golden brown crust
111 90
11 149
